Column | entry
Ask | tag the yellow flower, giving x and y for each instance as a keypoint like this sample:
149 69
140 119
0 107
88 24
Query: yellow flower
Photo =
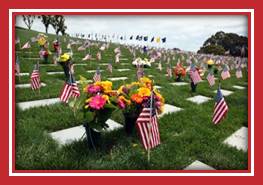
119 91
106 97
125 100
106 85
145 80
143 91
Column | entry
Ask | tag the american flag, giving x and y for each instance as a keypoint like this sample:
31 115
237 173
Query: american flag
35 78
160 66
140 72
87 57
225 73
97 76
81 48
239 73
194 75
98 56
220 108
17 41
211 79
17 67
26 46
69 90
110 67
147 125
169 71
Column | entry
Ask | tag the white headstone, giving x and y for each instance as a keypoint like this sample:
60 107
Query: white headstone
37 103
197 165
199 99
238 139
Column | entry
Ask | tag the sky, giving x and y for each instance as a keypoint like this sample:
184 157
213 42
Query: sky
186 32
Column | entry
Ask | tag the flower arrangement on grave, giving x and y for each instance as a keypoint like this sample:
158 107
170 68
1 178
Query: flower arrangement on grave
100 101
142 62
133 97
179 72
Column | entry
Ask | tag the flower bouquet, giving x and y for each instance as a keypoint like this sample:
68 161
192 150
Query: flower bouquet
179 72
133 97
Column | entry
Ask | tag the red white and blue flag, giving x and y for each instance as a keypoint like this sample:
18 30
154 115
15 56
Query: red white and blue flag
140 72
169 71
26 46
17 67
220 108
239 72
194 75
110 67
147 125
97 76
35 78
69 90
211 79
225 73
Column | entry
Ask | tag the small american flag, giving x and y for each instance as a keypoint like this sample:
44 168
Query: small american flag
169 71
160 66
35 78
225 73
194 75
140 72
17 41
17 67
220 108
81 48
211 79
87 57
98 56
239 73
109 67
147 125
97 76
26 46
69 90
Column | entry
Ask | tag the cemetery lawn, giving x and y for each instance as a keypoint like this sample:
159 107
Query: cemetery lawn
186 136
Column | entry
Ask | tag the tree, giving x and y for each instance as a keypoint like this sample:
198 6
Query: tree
28 20
58 23
213 49
46 20
229 41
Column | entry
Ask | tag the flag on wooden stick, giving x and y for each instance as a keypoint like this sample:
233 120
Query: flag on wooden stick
194 75
169 71
69 90
97 76
239 72
220 108
210 78
140 72
109 67
225 73
26 46
17 67
35 78
147 125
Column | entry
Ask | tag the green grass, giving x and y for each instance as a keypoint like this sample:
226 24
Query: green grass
186 136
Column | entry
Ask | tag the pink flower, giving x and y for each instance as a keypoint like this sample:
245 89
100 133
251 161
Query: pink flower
158 104
97 102
121 104
93 89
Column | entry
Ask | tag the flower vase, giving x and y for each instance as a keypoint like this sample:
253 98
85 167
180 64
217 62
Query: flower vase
130 121
178 78
93 137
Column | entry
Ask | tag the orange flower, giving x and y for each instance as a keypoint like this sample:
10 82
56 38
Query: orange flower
136 98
